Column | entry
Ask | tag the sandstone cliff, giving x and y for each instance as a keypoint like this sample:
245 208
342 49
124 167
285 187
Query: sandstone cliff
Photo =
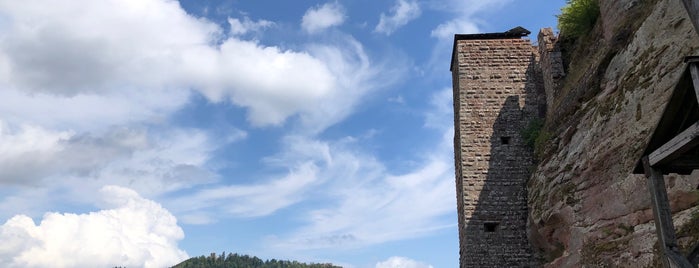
586 207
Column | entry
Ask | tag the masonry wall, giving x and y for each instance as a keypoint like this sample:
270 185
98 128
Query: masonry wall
497 92
552 66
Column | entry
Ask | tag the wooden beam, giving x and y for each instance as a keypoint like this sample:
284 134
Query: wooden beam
692 7
677 260
674 148
661 213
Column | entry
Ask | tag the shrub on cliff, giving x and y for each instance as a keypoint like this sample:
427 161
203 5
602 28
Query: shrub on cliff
578 17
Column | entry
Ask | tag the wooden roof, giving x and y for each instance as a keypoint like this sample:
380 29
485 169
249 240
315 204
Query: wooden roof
674 146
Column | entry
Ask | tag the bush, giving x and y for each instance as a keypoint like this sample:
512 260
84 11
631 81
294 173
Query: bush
531 132
578 17
536 136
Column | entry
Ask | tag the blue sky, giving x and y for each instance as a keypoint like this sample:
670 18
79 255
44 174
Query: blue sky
143 132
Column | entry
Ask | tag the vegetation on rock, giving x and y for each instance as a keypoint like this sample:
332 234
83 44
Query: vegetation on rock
578 17
535 136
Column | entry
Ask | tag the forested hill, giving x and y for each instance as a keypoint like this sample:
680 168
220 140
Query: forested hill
244 261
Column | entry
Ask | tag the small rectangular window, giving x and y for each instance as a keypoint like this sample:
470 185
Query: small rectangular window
490 227
505 140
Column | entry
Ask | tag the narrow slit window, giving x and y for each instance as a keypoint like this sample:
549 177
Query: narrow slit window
490 227
505 140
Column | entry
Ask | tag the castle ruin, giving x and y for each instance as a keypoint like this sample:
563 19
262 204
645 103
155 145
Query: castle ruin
498 91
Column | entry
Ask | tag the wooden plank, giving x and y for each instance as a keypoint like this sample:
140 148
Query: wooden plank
676 260
674 148
661 210
694 71
692 7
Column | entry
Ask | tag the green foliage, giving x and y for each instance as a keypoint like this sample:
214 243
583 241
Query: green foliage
535 136
244 261
578 17
531 132
540 144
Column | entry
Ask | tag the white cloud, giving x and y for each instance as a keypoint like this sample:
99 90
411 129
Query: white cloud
358 202
78 53
30 154
368 203
465 16
77 78
442 107
26 153
75 47
274 84
319 18
402 12
448 29
365 201
134 232
171 160
89 112
401 262
253 200
239 27
47 168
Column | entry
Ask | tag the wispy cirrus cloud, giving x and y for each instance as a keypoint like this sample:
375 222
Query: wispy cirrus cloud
365 201
448 29
246 25
401 13
465 18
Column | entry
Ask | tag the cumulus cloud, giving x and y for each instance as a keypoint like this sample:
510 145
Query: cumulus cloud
401 262
154 48
133 232
80 79
401 13
40 168
79 47
319 18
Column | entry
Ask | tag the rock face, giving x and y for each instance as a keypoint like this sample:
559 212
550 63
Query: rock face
585 206
497 92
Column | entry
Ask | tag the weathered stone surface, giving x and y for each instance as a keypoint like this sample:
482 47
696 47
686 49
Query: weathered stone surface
552 62
586 208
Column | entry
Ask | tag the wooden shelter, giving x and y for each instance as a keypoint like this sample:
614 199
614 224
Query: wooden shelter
674 148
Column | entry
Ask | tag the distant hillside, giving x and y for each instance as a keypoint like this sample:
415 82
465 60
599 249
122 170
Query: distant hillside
244 261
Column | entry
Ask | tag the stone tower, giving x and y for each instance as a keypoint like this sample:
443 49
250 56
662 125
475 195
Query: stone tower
498 91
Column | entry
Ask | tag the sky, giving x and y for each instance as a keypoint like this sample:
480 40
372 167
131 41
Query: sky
139 133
